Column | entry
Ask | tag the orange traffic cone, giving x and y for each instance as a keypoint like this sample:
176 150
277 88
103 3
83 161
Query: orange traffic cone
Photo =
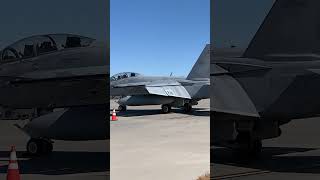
114 116
13 168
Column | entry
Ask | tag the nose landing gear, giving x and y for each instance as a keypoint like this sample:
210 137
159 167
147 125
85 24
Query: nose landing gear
122 108
39 146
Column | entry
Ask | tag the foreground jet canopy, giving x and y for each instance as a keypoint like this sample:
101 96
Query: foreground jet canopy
138 90
275 80
63 78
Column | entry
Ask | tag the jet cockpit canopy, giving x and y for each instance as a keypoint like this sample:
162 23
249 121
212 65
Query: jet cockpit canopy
124 75
43 44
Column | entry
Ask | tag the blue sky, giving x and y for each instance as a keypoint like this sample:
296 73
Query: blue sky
157 37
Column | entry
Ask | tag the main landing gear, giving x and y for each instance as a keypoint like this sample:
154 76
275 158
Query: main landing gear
247 145
187 107
165 108
39 146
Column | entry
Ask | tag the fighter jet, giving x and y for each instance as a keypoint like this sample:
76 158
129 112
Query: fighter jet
64 79
138 90
273 81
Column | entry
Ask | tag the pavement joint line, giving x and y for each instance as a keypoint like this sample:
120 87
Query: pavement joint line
228 176
57 170
257 172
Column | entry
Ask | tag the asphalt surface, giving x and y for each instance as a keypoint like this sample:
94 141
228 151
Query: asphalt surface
294 155
69 160
146 144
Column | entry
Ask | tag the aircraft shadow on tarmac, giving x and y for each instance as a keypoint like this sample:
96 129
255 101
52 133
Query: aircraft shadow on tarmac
273 159
147 112
61 162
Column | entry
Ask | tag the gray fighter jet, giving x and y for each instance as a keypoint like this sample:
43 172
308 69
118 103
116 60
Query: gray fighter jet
275 80
63 78
138 90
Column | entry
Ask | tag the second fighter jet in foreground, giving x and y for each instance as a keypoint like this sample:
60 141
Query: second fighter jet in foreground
275 80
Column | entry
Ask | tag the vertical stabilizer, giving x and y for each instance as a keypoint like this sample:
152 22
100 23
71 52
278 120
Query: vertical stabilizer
201 69
291 28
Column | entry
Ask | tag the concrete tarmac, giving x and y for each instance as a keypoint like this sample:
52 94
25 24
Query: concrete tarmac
69 160
146 144
293 155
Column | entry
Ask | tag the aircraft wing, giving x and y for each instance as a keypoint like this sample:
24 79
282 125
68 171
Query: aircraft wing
228 96
170 88
316 71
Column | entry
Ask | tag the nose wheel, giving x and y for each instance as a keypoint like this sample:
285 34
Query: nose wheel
39 146
122 108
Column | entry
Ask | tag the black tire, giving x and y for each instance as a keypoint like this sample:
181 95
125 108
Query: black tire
165 108
256 147
39 146
34 147
122 108
187 107
248 146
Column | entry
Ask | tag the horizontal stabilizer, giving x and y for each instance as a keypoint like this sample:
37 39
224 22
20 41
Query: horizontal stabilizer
229 97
